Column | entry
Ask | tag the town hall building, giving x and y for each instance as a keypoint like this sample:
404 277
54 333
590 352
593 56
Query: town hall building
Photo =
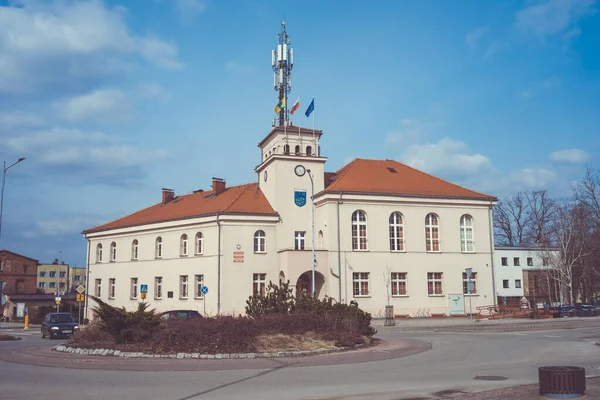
383 233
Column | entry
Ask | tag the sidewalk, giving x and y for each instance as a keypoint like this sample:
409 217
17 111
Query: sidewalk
464 324
17 326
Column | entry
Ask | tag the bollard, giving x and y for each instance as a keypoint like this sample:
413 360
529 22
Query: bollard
26 327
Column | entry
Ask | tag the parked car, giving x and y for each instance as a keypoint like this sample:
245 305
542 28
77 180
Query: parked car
58 325
585 310
179 314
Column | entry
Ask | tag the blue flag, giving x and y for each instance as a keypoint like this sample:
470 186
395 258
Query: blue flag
310 108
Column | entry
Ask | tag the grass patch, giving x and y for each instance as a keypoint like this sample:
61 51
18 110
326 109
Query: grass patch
283 342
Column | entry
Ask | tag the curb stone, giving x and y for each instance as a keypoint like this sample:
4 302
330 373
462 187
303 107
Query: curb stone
279 354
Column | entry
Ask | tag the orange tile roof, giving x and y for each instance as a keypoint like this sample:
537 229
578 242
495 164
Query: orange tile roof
243 199
373 176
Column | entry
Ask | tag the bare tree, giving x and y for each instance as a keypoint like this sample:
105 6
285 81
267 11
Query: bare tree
570 231
540 215
510 220
587 192
387 280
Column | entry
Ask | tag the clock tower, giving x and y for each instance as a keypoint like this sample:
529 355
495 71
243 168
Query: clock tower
290 156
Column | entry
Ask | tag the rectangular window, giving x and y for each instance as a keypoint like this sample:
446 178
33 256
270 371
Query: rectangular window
299 243
52 274
259 284
111 288
466 283
360 284
545 261
41 285
398 283
98 288
434 283
52 284
530 261
42 273
183 286
198 284
505 261
63 274
133 288
62 285
516 262
505 284
518 283
158 287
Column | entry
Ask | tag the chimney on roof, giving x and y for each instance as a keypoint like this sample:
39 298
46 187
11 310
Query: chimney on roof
167 195
218 186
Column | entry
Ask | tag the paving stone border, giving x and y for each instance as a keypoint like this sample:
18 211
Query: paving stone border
126 354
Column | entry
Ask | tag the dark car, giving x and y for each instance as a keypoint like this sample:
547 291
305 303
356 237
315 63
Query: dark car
585 310
179 314
58 325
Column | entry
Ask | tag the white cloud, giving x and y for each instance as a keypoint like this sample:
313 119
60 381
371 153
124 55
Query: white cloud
235 67
106 105
93 157
189 9
410 132
447 157
19 119
72 225
49 43
496 47
552 17
531 179
151 91
571 156
475 36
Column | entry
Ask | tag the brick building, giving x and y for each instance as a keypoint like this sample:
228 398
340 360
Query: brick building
18 274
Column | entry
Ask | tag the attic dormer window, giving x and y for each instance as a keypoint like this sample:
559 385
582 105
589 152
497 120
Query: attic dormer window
392 170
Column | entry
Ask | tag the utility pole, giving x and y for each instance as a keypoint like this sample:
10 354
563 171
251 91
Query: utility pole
312 200
4 169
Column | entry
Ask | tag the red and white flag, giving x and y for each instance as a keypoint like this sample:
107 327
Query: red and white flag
295 106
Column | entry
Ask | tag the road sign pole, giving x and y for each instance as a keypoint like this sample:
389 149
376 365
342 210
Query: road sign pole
204 297
469 272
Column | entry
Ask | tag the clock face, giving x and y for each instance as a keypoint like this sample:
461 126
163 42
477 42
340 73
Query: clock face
299 170
265 176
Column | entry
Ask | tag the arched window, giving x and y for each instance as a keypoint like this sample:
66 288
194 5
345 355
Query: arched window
396 232
321 241
113 252
260 239
199 243
183 245
286 149
158 248
297 150
309 151
99 253
134 249
432 233
359 231
466 234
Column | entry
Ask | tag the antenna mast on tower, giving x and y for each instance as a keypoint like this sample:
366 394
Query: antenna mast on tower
282 60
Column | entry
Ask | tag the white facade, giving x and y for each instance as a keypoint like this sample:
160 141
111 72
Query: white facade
414 278
511 262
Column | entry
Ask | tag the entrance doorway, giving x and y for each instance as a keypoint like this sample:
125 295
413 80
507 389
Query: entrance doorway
304 284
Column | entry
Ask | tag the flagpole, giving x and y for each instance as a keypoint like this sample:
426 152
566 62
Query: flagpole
314 141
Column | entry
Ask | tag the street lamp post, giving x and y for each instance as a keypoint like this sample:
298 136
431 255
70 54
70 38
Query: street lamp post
312 199
5 168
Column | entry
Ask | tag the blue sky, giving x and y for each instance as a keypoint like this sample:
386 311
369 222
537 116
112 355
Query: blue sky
111 101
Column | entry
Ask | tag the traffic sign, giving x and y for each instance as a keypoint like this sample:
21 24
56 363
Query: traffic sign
204 290
143 289
143 296
80 289
57 298
80 297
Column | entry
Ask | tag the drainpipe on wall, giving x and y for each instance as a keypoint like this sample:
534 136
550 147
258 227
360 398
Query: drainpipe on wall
492 254
87 276
219 267
339 250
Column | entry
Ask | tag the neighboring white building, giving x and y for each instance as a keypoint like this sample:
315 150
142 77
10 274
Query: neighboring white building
380 227
515 268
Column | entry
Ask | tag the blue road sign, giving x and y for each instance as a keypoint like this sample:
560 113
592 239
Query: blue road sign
143 289
204 290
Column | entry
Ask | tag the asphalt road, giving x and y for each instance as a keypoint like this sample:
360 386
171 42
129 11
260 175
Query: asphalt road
452 363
